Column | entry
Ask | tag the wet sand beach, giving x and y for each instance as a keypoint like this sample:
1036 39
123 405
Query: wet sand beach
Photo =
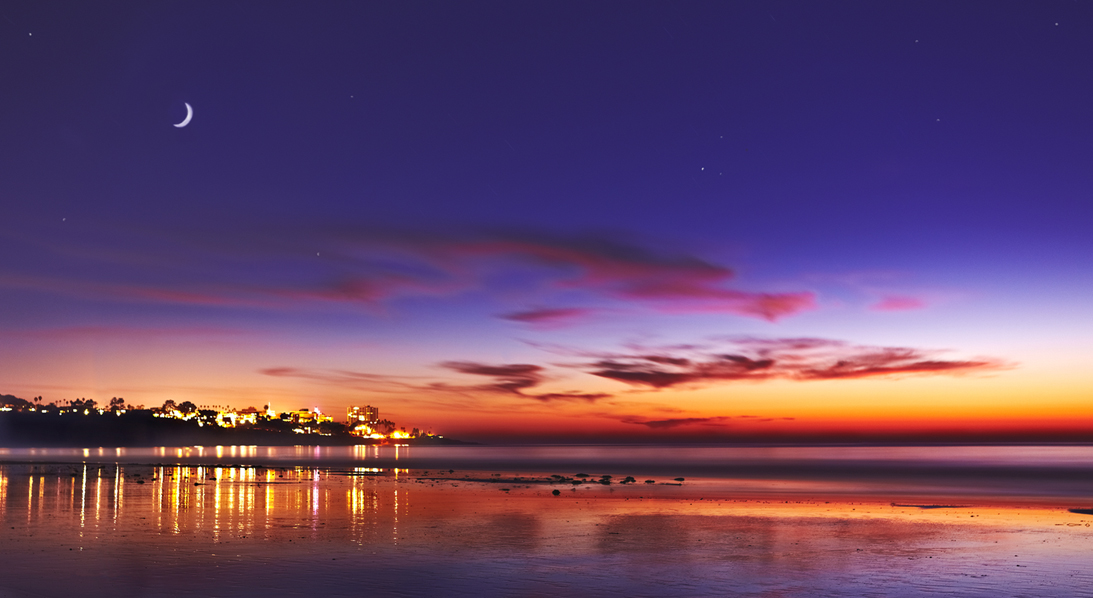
185 530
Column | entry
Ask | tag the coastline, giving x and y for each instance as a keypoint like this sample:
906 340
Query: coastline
140 429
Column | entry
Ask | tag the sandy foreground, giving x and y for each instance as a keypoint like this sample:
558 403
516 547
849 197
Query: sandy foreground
98 530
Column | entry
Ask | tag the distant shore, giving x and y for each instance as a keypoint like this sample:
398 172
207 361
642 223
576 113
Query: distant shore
142 429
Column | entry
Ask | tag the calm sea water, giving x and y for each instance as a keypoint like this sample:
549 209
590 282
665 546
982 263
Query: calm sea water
1008 471
485 521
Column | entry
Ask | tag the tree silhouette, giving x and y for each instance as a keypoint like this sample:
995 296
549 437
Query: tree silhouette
82 403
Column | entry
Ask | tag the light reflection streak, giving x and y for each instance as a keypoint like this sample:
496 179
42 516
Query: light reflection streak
30 497
157 479
117 493
315 501
231 498
229 505
216 500
41 494
176 484
98 497
252 493
199 506
269 508
83 499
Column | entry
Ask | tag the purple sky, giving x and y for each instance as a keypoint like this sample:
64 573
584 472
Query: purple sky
373 192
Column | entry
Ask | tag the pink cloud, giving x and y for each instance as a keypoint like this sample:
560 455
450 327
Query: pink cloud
790 359
548 317
691 366
125 332
516 379
768 306
898 303
667 282
367 268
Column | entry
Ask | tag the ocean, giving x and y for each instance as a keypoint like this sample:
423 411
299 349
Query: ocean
547 521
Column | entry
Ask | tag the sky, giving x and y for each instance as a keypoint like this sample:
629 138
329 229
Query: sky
557 221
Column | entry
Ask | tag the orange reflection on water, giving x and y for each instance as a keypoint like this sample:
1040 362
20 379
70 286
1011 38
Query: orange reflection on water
706 529
397 507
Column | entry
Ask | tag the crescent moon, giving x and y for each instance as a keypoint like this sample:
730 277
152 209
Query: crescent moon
189 115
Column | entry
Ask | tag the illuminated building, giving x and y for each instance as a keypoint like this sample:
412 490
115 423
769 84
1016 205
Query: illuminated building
231 417
307 421
362 415
362 421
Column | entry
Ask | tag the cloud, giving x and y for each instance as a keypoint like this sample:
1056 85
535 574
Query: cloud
664 372
128 333
368 268
348 379
898 303
283 372
800 359
548 317
512 379
611 268
675 422
589 397
680 366
516 379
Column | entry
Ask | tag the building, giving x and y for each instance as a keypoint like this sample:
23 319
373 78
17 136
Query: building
231 418
362 415
307 421
362 421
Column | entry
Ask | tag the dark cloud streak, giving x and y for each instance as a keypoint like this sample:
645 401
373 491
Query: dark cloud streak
515 379
790 359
